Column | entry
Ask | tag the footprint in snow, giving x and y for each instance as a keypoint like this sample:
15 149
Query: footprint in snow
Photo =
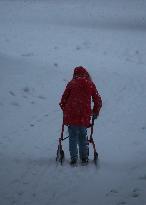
112 192
26 89
135 193
27 92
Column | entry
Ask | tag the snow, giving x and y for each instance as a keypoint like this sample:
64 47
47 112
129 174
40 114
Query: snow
40 44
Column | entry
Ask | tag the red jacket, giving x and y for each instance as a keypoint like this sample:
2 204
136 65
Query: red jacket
76 101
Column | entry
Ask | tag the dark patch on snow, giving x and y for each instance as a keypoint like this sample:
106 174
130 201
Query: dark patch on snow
143 128
20 193
34 194
78 48
26 89
25 182
143 177
135 193
24 96
135 190
37 147
55 47
136 143
16 104
27 54
7 40
41 97
56 64
122 202
14 201
46 115
86 44
112 191
12 93
137 52
15 181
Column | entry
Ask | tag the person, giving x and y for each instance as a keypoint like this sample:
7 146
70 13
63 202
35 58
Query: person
77 111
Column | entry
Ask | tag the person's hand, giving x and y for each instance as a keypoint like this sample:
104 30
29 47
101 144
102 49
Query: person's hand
95 116
61 106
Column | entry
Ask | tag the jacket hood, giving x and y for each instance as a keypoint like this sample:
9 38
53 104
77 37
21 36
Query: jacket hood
80 72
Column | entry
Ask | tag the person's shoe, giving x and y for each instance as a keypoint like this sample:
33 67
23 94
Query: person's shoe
84 161
73 161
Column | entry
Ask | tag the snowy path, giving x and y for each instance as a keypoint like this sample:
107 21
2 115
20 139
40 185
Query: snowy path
40 43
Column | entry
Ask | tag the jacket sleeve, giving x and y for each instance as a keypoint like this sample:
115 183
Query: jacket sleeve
65 96
96 100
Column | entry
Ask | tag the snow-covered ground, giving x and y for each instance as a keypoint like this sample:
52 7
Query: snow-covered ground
41 41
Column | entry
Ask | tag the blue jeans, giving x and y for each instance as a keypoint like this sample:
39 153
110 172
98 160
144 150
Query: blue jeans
78 136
